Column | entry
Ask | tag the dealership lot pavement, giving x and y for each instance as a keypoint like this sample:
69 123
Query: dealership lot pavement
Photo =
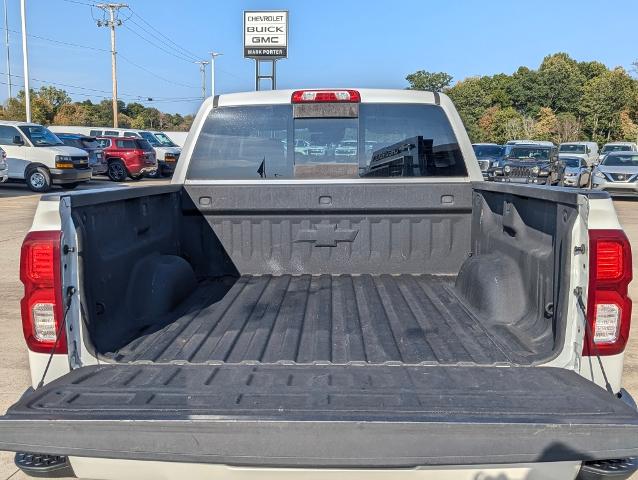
17 206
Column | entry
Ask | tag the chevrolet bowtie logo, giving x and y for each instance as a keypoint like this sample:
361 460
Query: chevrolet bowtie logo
326 235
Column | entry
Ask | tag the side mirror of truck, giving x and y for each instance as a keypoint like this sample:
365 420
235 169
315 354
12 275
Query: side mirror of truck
17 140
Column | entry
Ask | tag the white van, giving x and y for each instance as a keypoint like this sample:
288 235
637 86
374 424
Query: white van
179 138
166 151
588 151
37 156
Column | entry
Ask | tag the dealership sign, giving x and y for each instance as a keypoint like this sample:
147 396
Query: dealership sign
266 34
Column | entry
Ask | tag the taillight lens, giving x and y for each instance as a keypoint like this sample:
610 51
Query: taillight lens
608 304
326 96
42 309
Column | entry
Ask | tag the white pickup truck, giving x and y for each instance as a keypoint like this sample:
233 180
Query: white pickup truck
385 314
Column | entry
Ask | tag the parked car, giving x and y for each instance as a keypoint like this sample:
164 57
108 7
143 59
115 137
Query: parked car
167 154
618 147
128 157
97 161
577 173
38 157
588 151
531 163
419 324
4 167
617 173
490 156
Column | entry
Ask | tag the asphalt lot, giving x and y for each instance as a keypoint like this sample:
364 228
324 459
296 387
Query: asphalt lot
17 206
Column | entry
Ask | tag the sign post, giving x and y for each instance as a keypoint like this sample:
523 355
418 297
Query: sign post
266 41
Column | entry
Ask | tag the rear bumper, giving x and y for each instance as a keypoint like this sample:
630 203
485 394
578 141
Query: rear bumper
523 180
135 470
70 175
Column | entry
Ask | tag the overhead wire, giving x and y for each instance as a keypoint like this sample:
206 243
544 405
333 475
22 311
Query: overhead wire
167 80
150 42
159 40
186 51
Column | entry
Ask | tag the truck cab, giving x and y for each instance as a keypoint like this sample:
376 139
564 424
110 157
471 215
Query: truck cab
270 313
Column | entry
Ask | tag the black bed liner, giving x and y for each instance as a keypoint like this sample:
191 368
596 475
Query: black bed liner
323 415
330 318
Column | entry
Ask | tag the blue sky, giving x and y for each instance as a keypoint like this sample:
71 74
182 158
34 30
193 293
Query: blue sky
332 43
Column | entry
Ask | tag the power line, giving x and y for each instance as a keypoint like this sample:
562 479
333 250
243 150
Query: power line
137 65
162 42
150 42
138 98
69 44
97 49
188 52
80 3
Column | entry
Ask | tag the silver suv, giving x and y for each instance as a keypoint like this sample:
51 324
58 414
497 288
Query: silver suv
617 173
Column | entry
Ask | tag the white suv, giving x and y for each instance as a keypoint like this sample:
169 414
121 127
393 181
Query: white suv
36 155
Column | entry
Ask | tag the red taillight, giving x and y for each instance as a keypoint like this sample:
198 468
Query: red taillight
326 96
608 305
42 310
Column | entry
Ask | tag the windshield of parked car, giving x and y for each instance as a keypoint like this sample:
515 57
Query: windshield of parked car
40 136
150 138
616 148
572 162
163 139
488 151
373 140
621 160
530 153
573 148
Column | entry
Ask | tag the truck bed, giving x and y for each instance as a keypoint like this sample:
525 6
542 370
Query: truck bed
411 319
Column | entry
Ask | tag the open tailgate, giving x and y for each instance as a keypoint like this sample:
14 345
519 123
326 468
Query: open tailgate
323 415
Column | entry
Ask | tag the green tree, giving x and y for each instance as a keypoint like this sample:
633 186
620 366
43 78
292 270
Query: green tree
560 83
501 124
546 125
524 91
591 69
471 100
429 81
604 98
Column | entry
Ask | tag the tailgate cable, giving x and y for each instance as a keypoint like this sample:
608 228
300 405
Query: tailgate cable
578 291
70 291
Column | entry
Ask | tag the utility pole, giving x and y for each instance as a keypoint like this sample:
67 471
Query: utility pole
113 9
202 68
6 42
25 60
213 56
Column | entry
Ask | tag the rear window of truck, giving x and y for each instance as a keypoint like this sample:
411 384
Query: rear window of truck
380 140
